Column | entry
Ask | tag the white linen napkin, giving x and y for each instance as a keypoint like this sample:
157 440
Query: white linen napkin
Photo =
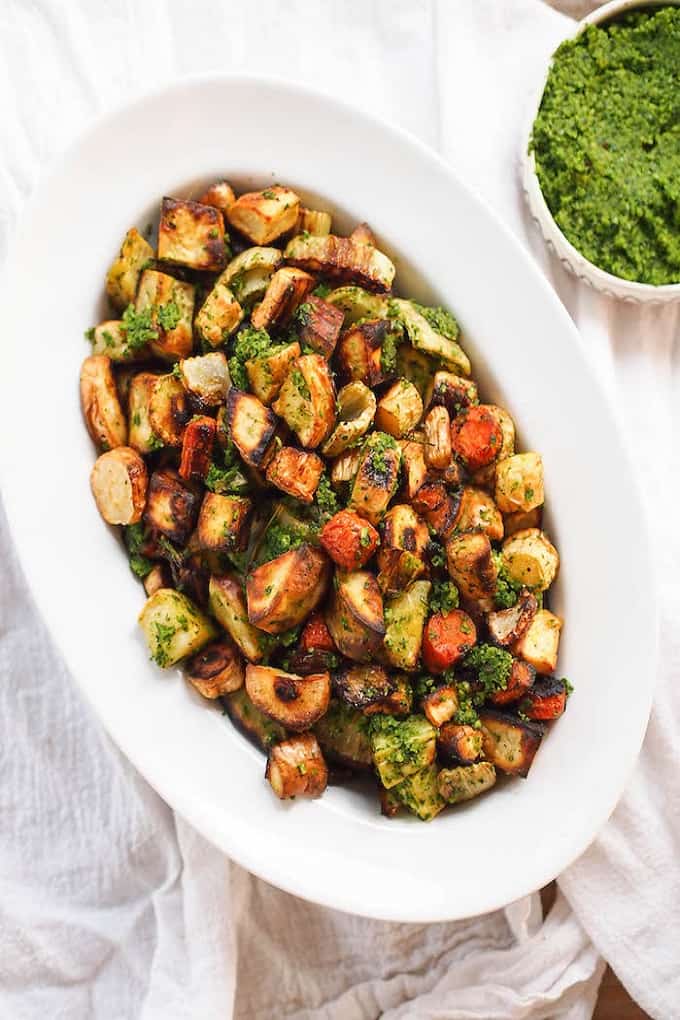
110 905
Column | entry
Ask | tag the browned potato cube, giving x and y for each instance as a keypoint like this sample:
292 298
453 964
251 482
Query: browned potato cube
262 216
282 592
123 276
295 472
221 195
171 507
540 642
191 234
400 409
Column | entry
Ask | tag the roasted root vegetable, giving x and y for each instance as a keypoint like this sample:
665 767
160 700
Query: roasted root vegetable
340 258
251 426
437 429
296 472
377 477
228 605
546 700
447 638
441 705
222 522
174 627
362 686
141 436
262 216
100 404
413 463
426 339
478 512
522 677
531 559
197 446
403 529
519 520
262 731
404 622
343 736
359 354
168 410
508 742
119 482
471 564
356 303
248 274
164 310
459 743
267 371
171 506
519 482
285 293
306 401
313 221
221 195
400 410
296 768
355 615
508 625
123 276
420 794
319 326
453 392
216 670
401 747
192 235
540 642
206 377
465 782
476 437
356 406
349 540
297 702
283 592
399 701
438 507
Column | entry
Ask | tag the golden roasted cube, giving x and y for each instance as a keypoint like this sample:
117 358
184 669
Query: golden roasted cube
191 234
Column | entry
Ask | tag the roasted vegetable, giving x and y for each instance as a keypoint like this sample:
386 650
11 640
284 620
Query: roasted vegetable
168 410
546 700
219 315
453 392
163 315
251 426
437 428
531 559
399 701
197 447
401 747
141 435
420 794
110 338
377 476
221 195
522 677
296 702
119 482
173 627
400 409
192 235
447 638
349 540
458 743
222 522
478 512
158 577
100 404
424 338
255 725
339 258
464 783
437 506
471 564
216 670
356 407
440 705
360 348
508 625
319 324
285 293
476 437
413 462
296 768
296 472
344 468
264 215
355 615
248 275
519 482
509 743
282 592
228 606
123 276
313 221
306 401
522 519
363 686
343 736
404 621
355 303
267 371
171 506
540 642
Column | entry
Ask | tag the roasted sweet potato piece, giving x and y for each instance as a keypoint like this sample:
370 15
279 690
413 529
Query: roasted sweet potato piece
216 670
119 482
171 507
521 678
508 625
320 325
296 472
294 701
285 292
197 447
441 705
191 234
459 743
508 742
546 700
476 437
296 768
446 639
349 540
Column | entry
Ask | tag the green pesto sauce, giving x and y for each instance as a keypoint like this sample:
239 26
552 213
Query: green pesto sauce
607 145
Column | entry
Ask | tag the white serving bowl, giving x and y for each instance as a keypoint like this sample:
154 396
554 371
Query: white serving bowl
570 257
448 247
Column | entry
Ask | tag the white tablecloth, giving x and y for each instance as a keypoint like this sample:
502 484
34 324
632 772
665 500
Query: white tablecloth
111 907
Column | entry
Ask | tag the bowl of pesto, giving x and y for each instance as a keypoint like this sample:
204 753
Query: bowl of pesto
601 170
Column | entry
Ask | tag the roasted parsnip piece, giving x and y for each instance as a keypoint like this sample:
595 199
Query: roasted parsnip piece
361 686
531 559
540 642
345 467
221 195
251 426
399 701
228 605
173 627
216 670
403 529
282 592
111 338
519 482
453 392
355 303
413 461
262 216
508 625
296 702
441 705
362 234
222 522
459 743
123 276
249 273
219 315
296 472
171 507
259 729
437 428
356 407
191 234
141 436
100 404
377 477
296 768
313 221
400 409
478 512
360 351
119 481
158 577
170 304
471 565
267 371
306 401
465 782
168 410
207 377
285 292
417 367
522 519
355 615
341 259
509 743
319 327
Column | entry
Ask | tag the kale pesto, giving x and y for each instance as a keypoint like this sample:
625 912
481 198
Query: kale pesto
606 143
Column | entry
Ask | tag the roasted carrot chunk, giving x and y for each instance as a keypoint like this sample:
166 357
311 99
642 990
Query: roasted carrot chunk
476 437
521 679
197 445
447 637
349 540
316 635
546 700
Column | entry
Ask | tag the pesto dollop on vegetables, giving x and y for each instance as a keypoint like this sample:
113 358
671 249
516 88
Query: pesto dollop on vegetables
607 145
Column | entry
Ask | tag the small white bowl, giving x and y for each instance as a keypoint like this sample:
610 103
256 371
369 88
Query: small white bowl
569 256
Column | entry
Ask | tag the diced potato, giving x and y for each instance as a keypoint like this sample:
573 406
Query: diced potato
306 401
471 565
141 436
540 642
267 372
343 736
123 277
437 427
216 670
424 338
359 351
519 482
285 590
355 615
465 782
249 273
376 478
262 216
413 460
319 327
297 702
173 627
404 622
402 747
295 472
119 482
508 625
453 392
168 410
478 512
191 234
356 303
221 195
171 303
296 768
251 426
356 407
285 293
531 559
313 221
228 606
100 404
207 377
509 743
219 315
459 743
400 409
522 519
171 507
420 794
222 522
342 259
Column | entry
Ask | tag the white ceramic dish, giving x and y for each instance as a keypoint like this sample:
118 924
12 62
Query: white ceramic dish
569 256
337 851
